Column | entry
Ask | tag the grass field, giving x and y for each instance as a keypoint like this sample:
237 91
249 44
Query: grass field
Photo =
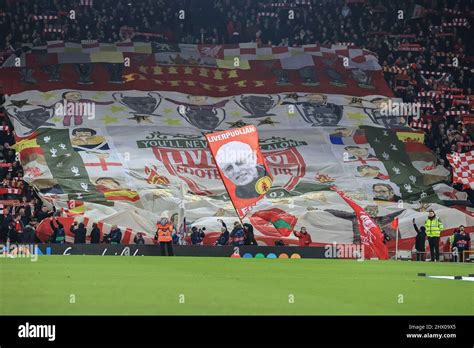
225 286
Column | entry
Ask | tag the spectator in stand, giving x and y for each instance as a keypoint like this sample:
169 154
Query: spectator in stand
303 236
237 236
44 213
433 226
197 235
25 219
79 232
248 234
115 235
29 232
223 238
5 220
420 241
95 234
462 242
59 235
139 238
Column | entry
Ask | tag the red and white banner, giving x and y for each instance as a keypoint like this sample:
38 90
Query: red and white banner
463 168
370 233
241 166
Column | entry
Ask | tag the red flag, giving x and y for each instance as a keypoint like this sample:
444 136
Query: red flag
269 220
241 166
370 234
395 224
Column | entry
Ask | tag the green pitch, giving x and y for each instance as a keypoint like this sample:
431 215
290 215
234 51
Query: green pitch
158 285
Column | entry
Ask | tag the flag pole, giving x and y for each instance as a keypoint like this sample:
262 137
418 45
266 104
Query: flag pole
396 246
182 210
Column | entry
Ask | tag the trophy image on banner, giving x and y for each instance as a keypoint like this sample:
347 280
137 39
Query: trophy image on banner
143 107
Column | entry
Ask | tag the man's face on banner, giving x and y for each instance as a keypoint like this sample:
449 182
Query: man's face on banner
357 151
368 171
238 162
383 192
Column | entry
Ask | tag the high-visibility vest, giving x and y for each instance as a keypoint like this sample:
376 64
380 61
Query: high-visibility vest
164 232
433 227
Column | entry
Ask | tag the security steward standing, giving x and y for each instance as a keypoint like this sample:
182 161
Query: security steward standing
433 227
164 229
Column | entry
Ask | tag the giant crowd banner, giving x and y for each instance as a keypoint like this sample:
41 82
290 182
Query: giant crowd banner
121 170
120 153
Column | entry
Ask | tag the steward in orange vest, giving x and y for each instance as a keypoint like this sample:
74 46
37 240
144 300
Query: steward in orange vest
164 228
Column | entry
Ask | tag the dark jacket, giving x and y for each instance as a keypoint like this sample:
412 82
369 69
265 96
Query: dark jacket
25 220
95 235
59 235
79 233
223 238
42 215
197 236
238 236
249 236
29 234
115 236
419 239
139 239
461 241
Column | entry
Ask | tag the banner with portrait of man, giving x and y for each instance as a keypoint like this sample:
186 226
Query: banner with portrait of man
241 166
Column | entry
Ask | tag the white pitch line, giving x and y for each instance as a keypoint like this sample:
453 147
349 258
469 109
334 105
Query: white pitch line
469 279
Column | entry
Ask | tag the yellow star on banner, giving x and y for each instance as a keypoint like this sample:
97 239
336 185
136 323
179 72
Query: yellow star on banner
56 119
259 83
235 113
167 110
129 77
232 73
172 70
204 72
241 83
172 122
115 109
217 75
188 70
110 119
47 95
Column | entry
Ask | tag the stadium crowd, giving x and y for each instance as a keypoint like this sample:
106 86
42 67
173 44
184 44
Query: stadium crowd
426 58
